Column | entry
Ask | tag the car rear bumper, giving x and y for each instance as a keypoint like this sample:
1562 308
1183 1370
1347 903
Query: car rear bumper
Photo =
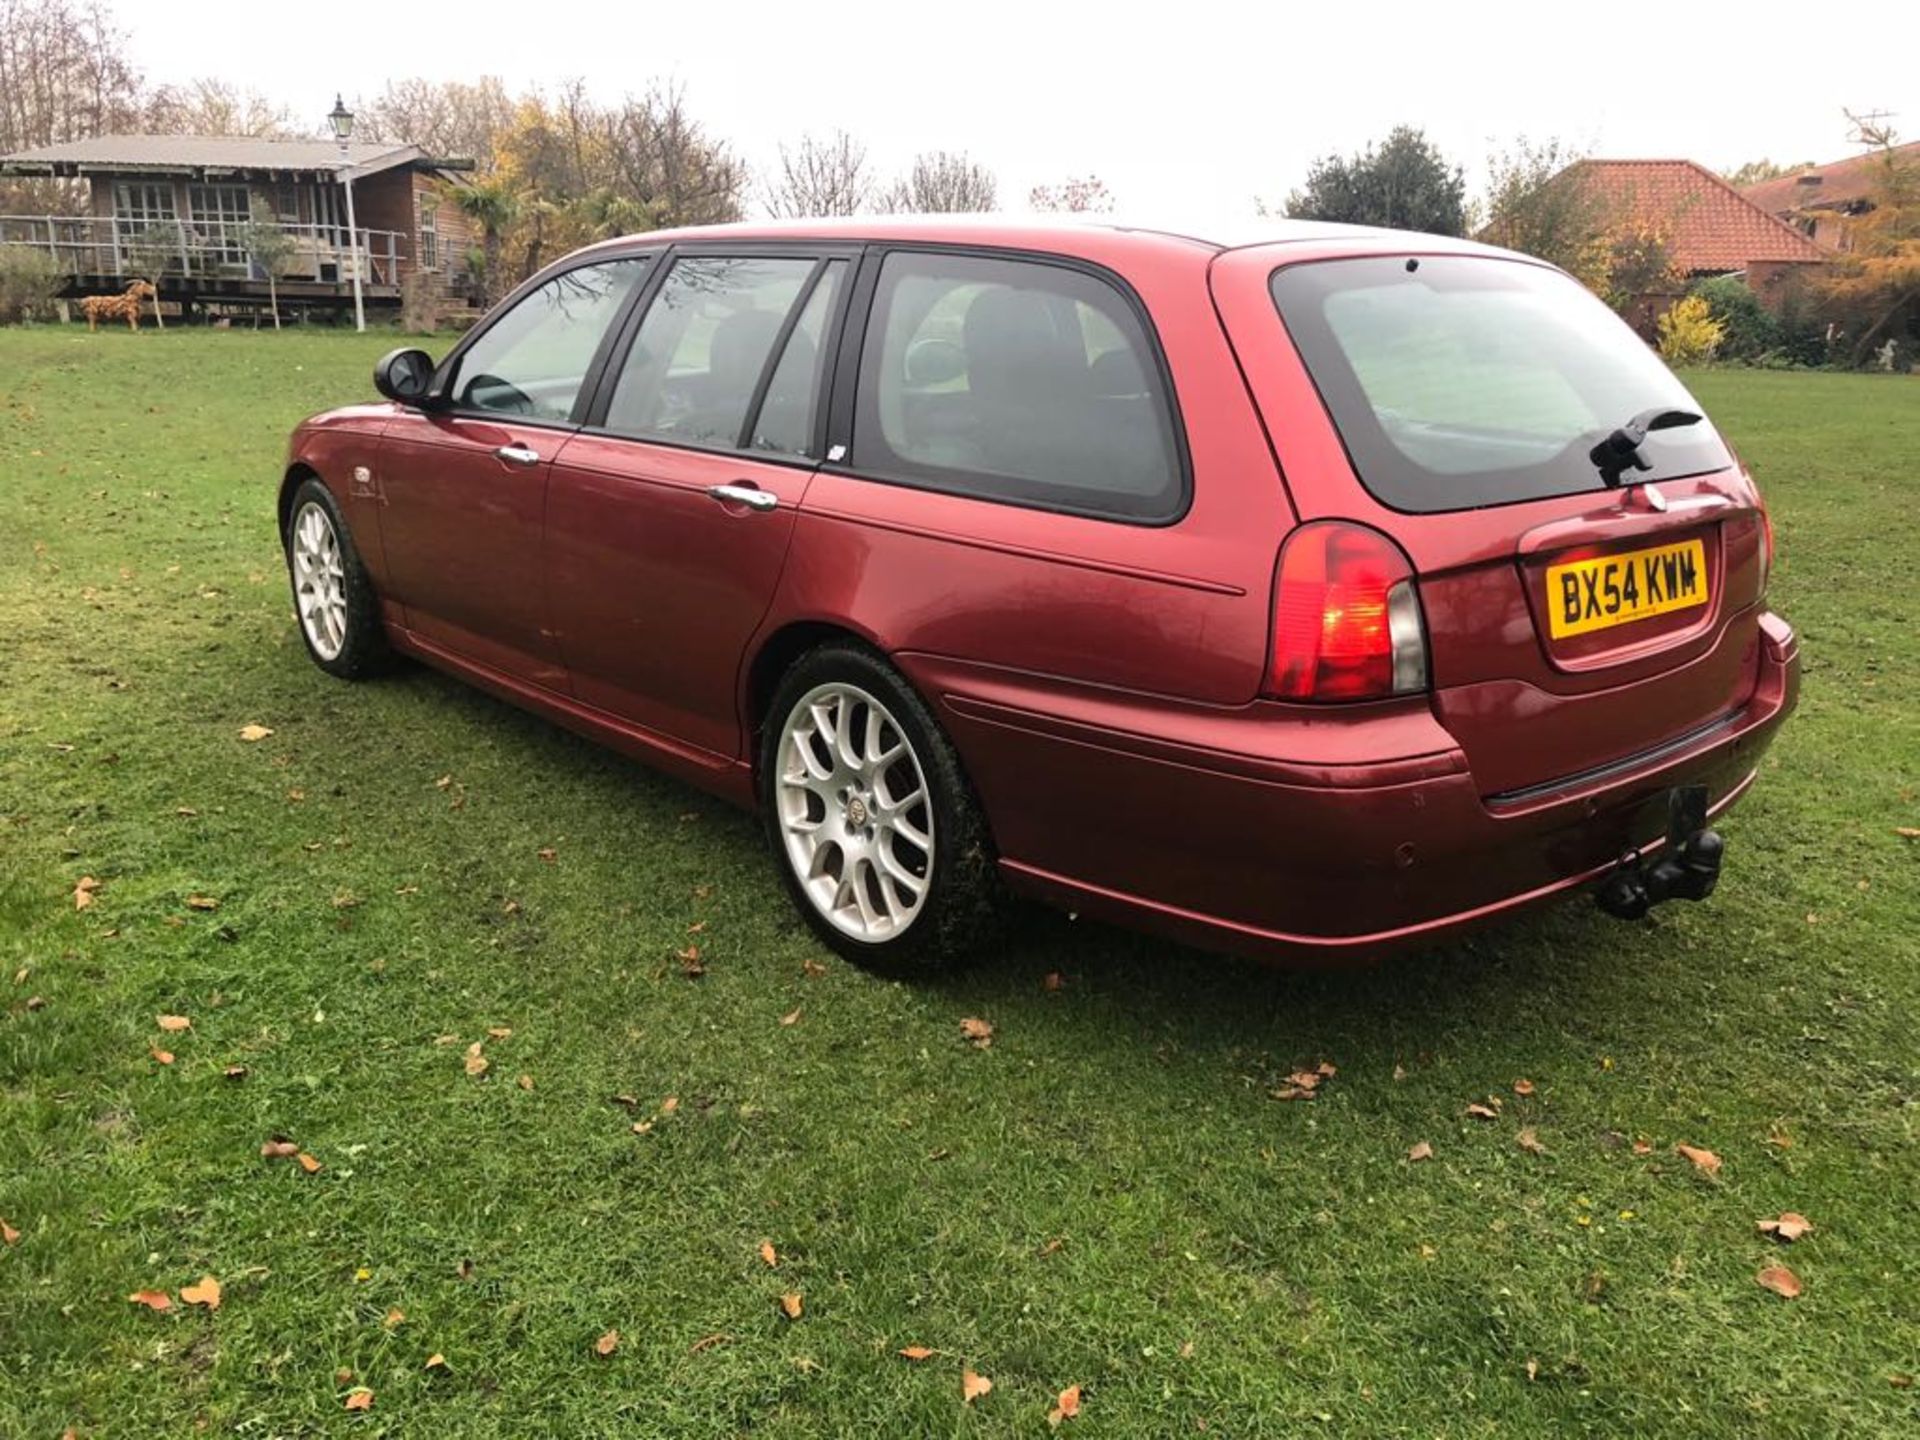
1315 838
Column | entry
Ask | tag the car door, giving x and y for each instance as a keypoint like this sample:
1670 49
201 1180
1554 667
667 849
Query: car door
463 484
669 514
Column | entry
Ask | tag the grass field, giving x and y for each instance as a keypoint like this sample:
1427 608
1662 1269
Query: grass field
1107 1196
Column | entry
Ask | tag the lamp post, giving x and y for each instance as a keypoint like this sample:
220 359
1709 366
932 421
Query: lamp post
341 119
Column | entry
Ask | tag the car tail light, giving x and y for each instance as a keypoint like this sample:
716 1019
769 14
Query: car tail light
1766 550
1346 618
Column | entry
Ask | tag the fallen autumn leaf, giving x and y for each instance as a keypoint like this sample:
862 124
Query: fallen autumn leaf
1422 1151
1780 1280
361 1399
1788 1227
152 1299
973 1386
251 733
1703 1160
173 1024
791 1304
206 1293
979 1032
914 1352
769 1254
1529 1142
1066 1406
607 1343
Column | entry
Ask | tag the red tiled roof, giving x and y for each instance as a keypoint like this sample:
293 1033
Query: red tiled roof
1841 182
1709 225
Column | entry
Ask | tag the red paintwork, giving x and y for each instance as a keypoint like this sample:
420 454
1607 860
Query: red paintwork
1102 681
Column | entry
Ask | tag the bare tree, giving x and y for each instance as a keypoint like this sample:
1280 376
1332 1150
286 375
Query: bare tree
660 159
1082 194
64 74
943 182
821 177
445 119
216 107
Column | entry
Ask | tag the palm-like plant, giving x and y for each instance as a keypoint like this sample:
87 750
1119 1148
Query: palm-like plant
492 205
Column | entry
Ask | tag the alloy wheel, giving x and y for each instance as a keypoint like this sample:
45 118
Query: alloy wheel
319 580
855 812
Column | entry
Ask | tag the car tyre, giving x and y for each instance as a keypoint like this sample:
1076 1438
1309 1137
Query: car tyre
875 830
334 604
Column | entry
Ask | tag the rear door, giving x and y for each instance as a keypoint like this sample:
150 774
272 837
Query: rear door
1451 400
669 515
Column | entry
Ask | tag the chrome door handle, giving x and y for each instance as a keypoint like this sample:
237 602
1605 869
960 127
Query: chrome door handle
518 455
751 496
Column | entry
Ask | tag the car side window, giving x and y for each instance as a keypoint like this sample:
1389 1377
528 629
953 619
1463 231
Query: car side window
1016 380
784 425
707 338
534 358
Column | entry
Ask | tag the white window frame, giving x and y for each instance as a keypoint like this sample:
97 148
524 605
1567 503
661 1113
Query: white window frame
216 221
429 237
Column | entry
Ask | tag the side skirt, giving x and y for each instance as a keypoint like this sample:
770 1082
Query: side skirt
723 775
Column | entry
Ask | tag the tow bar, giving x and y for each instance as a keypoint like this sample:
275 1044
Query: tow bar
1688 868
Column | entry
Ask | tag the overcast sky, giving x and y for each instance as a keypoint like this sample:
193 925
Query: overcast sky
1185 109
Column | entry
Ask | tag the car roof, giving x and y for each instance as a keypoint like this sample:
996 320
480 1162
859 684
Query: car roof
1050 232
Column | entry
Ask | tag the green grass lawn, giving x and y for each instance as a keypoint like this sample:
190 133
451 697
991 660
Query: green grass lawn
1107 1196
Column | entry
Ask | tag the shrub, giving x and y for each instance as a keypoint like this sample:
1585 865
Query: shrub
29 279
1749 329
1689 335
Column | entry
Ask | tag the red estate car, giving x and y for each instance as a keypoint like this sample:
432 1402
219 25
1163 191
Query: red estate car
1306 597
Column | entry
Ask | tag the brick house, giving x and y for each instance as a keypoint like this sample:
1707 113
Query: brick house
201 189
1709 227
1819 200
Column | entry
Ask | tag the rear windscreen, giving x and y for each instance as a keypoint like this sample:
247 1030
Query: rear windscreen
1461 381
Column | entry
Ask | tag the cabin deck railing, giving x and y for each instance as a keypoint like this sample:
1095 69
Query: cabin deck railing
101 246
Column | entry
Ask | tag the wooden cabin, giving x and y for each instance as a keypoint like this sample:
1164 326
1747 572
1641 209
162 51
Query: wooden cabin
201 189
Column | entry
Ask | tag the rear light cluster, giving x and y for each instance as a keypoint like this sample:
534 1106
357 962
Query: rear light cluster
1766 550
1346 617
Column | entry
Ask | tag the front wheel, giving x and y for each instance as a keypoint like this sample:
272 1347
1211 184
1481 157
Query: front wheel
333 596
877 835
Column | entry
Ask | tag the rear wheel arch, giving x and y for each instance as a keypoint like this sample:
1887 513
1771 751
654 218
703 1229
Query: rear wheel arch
791 643
778 654
964 913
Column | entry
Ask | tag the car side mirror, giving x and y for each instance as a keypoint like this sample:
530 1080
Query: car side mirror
405 376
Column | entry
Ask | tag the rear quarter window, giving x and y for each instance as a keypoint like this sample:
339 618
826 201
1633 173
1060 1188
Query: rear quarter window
1458 382
1022 381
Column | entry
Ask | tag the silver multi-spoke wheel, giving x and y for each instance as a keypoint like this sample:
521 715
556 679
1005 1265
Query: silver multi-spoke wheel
855 812
319 581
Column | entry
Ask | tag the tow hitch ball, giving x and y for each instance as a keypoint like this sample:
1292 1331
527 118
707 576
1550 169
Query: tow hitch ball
1688 868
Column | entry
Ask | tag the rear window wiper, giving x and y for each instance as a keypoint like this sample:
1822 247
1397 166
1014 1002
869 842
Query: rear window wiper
1620 451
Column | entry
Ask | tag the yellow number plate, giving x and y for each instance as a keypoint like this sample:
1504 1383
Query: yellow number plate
1585 595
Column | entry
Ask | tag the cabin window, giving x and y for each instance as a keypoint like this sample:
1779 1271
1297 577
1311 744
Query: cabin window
219 214
429 238
138 206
